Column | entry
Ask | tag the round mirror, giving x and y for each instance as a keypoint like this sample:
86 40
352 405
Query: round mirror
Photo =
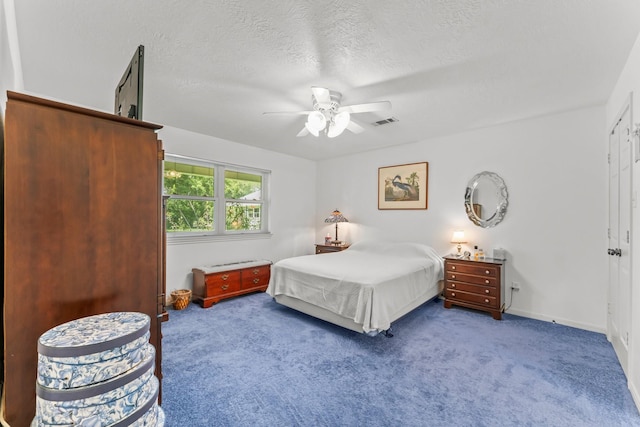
486 199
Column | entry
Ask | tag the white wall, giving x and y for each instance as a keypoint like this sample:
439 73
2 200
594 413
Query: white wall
291 209
555 228
629 82
6 62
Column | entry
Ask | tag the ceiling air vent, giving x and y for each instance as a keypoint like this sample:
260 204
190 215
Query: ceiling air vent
385 121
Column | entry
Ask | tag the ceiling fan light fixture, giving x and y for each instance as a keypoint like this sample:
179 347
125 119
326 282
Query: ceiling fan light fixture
338 124
315 123
316 120
331 117
313 131
334 131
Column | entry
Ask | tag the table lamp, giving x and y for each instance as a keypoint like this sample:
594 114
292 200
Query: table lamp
458 237
336 217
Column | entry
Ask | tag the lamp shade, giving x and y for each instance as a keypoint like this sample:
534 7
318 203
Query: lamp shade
313 131
339 124
317 120
315 123
336 216
458 237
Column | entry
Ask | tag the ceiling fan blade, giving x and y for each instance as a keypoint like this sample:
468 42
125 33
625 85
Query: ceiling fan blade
288 113
365 108
321 94
354 127
303 132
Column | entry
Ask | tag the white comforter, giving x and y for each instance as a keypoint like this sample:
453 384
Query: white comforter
367 283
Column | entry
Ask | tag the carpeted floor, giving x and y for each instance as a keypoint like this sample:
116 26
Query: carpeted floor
251 362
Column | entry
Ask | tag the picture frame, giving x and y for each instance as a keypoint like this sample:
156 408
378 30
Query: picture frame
403 186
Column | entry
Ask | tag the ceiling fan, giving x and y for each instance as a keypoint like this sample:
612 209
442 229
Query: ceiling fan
329 116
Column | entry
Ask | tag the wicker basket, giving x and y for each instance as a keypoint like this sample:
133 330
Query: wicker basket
181 298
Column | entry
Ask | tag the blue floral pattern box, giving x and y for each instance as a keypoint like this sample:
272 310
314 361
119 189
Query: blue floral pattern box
98 371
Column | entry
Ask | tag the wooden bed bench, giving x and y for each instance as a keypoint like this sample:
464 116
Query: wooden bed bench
217 282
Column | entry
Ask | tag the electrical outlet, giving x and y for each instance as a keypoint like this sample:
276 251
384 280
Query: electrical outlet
515 286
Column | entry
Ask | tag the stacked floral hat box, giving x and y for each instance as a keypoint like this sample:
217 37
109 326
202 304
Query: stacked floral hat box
98 371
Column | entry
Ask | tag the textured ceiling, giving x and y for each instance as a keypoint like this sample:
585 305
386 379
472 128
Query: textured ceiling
214 67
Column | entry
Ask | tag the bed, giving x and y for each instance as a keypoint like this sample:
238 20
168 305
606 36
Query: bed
363 288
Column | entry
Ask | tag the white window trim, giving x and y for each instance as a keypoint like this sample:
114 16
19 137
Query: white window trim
209 238
220 234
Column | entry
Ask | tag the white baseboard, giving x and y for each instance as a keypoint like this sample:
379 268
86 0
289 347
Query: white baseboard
566 322
635 394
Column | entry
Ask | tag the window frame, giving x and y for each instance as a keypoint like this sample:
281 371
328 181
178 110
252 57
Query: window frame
220 202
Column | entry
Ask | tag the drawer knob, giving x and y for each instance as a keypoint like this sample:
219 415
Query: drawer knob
225 276
256 271
453 285
453 267
224 287
453 294
486 281
486 291
486 300
256 280
453 276
486 272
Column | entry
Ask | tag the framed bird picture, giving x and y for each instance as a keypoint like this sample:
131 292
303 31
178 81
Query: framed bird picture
403 186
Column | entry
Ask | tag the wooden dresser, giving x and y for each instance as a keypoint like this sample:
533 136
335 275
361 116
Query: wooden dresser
326 249
217 282
477 284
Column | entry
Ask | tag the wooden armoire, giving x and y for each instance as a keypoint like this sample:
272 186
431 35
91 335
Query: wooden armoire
82 229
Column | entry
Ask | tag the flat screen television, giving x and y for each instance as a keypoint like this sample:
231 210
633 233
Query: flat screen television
129 90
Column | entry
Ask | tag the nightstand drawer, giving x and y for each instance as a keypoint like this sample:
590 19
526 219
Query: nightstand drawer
487 301
478 280
474 289
478 270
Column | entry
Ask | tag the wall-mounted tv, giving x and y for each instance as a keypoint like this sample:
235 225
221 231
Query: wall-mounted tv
129 89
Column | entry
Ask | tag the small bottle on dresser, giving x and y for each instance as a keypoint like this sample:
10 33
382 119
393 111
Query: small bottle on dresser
481 254
475 252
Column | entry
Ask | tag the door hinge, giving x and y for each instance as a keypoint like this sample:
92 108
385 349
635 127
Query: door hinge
609 158
628 237
608 233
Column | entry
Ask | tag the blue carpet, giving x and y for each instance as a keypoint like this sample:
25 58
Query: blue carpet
251 362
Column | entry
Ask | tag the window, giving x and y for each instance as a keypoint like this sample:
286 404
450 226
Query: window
211 198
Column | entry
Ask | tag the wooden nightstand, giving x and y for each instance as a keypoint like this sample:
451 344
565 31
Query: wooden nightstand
325 249
477 284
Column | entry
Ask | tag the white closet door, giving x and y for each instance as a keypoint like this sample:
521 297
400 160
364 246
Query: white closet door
619 295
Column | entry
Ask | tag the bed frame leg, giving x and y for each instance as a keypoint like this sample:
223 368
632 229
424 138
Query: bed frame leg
387 333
